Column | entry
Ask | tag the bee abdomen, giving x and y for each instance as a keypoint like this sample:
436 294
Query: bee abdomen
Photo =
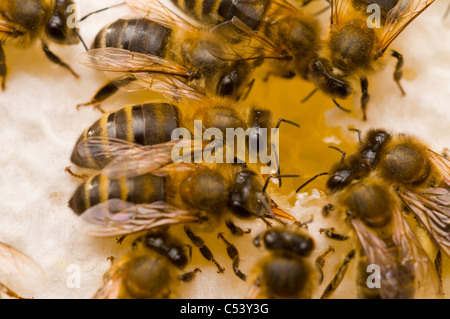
286 277
146 188
146 124
137 35
214 12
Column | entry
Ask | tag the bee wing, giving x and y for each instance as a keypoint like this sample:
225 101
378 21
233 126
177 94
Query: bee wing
169 86
121 60
111 288
116 217
19 267
338 9
412 253
100 147
377 253
155 11
235 41
442 164
150 159
404 12
432 207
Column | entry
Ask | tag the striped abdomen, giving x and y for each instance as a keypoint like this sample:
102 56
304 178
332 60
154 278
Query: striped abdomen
145 124
214 12
146 188
137 35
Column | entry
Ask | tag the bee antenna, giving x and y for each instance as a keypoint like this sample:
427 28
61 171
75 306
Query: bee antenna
82 40
310 180
306 98
275 176
358 131
340 107
286 121
269 210
101 10
339 150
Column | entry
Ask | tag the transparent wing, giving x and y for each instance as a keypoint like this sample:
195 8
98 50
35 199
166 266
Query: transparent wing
442 164
121 60
150 159
377 253
169 86
234 40
338 9
155 11
111 288
116 217
432 207
413 255
101 147
399 17
18 268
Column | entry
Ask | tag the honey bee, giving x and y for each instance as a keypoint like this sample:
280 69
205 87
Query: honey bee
291 29
153 123
354 47
285 272
17 267
386 240
165 53
420 177
145 190
23 22
150 271
389 172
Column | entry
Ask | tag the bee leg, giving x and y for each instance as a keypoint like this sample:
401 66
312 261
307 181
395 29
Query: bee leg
120 239
188 276
398 70
2 67
365 97
327 209
55 59
206 252
329 232
106 91
335 282
234 255
320 262
249 88
9 292
284 75
236 230
80 176
438 266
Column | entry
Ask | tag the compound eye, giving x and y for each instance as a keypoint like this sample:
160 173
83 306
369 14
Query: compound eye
228 85
55 29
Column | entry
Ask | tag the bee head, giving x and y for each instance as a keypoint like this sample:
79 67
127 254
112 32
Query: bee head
353 167
248 195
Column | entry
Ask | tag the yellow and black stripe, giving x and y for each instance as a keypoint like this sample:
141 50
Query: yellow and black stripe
137 35
213 12
145 124
146 188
